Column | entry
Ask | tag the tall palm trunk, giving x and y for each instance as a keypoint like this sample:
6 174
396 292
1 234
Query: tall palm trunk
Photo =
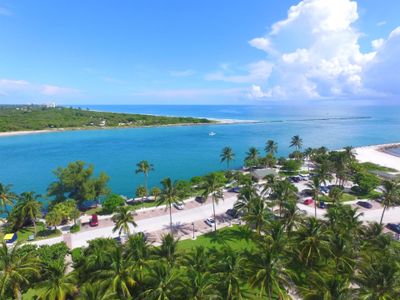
383 212
34 226
215 222
170 219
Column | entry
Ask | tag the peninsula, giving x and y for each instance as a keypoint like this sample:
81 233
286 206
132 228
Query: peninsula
35 118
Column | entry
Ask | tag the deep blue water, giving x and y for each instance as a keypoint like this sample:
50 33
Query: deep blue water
182 152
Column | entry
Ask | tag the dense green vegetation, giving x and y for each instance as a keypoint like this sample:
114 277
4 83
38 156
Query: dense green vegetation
18 118
279 252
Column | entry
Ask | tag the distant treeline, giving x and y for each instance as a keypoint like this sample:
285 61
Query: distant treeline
37 117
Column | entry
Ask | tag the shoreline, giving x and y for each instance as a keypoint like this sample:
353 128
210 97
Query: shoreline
377 154
214 122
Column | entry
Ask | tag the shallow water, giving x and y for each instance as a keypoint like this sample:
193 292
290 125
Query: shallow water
186 151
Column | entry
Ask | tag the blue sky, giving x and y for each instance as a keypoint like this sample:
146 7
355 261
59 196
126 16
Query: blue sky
197 52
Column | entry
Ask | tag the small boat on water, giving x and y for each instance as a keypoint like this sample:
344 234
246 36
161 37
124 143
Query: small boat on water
212 133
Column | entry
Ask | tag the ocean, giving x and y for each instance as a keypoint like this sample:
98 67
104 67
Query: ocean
185 151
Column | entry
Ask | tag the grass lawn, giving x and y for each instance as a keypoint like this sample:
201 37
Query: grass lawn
374 167
345 197
237 237
42 232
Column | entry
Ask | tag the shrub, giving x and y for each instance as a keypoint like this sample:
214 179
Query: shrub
291 165
367 182
112 202
75 228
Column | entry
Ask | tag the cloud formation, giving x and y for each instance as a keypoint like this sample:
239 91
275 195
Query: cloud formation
26 88
315 53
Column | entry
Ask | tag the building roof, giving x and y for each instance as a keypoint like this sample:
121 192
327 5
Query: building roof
261 173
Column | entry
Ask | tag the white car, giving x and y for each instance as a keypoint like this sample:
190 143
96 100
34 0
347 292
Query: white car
178 206
210 222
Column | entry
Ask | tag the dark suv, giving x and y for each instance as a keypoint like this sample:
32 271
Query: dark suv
200 199
364 204
394 227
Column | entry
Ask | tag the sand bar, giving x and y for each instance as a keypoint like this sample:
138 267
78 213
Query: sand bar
377 155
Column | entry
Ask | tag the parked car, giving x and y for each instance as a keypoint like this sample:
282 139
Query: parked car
178 206
94 221
235 189
306 192
308 201
210 222
394 227
200 199
321 204
233 213
364 204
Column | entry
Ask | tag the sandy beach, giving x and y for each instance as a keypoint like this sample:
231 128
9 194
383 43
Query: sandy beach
217 122
377 155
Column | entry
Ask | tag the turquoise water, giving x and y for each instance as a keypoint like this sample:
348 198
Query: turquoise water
183 152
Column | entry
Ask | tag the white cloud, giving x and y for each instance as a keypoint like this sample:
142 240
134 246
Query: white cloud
53 90
184 73
190 93
381 23
254 72
5 11
315 53
12 87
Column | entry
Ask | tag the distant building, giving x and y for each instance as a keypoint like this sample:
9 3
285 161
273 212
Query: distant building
51 105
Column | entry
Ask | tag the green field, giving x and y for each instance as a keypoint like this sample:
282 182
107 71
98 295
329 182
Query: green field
18 118
237 237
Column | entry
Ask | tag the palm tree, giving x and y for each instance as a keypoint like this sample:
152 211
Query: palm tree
311 242
54 218
138 250
122 219
296 142
58 285
144 167
378 277
30 208
168 248
168 196
213 187
315 190
164 282
391 195
324 172
271 147
252 157
118 275
227 155
6 197
15 270
284 191
202 285
257 213
335 194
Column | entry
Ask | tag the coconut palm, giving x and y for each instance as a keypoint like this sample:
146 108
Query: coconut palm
292 215
30 208
59 285
229 269
6 197
54 218
391 195
95 291
257 213
155 192
118 276
122 219
284 191
164 282
213 187
335 194
15 270
324 172
169 195
311 241
271 147
267 272
144 167
252 157
137 250
168 248
315 190
296 142
202 285
227 155
378 277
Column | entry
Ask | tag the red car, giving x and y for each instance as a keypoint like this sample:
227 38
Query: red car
308 201
94 221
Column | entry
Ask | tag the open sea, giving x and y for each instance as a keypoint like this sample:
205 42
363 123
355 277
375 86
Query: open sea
182 152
